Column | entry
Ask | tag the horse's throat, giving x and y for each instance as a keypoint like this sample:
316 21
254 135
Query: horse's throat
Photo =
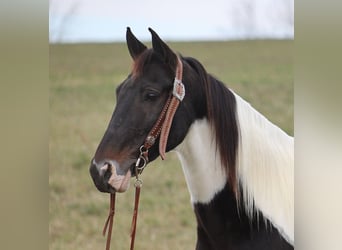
201 163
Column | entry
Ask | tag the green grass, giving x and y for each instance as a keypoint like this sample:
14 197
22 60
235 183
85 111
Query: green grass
83 78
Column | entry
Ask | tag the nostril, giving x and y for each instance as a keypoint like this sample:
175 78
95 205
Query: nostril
106 166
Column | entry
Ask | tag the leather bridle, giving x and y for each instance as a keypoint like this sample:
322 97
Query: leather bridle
160 129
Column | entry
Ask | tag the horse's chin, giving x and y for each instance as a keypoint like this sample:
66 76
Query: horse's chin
120 183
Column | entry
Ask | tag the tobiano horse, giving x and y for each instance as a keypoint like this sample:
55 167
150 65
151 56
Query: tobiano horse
238 166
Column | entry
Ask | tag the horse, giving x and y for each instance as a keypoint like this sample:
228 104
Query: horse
238 166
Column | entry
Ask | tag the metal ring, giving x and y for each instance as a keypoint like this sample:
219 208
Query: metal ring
138 164
143 150
138 183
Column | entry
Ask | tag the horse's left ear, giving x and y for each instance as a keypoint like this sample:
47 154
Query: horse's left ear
135 47
162 49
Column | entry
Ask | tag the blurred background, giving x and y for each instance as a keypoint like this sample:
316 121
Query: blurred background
105 20
26 93
246 44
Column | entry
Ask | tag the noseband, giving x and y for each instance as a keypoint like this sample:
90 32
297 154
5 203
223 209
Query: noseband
160 129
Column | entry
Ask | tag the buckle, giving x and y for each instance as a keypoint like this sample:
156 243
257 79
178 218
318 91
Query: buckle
178 89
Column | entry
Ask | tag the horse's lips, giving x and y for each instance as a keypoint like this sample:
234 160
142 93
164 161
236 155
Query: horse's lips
119 182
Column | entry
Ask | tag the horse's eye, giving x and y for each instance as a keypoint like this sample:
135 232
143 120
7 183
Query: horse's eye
151 96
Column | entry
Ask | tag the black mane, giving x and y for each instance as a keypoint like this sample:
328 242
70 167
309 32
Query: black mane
221 113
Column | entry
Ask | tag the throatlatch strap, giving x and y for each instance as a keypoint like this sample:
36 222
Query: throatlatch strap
167 126
177 96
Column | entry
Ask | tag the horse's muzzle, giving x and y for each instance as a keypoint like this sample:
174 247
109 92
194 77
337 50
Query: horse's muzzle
100 177
107 178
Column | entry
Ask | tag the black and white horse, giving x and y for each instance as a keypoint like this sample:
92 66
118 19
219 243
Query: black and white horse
238 166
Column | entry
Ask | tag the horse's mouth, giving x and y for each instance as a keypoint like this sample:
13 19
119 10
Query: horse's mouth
120 183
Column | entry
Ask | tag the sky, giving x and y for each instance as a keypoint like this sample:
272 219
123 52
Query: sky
183 20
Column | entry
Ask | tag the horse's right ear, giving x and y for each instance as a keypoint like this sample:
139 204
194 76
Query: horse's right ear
135 47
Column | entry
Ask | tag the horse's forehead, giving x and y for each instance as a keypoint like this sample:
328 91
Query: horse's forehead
135 83
153 69
149 78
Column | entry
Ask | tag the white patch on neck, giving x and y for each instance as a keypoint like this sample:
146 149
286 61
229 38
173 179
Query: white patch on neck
266 168
201 165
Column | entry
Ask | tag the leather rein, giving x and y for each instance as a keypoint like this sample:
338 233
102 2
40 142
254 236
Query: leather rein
160 129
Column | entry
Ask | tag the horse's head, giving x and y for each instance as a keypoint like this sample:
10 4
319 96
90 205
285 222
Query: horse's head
140 100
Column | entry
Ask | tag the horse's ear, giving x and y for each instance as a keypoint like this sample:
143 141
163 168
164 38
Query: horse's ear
162 49
135 47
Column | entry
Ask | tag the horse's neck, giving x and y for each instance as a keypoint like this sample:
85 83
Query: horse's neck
201 165
222 225
266 168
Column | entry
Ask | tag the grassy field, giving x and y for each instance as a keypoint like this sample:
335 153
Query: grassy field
83 78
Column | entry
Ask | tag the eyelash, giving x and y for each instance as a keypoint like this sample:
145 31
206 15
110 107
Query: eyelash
151 96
